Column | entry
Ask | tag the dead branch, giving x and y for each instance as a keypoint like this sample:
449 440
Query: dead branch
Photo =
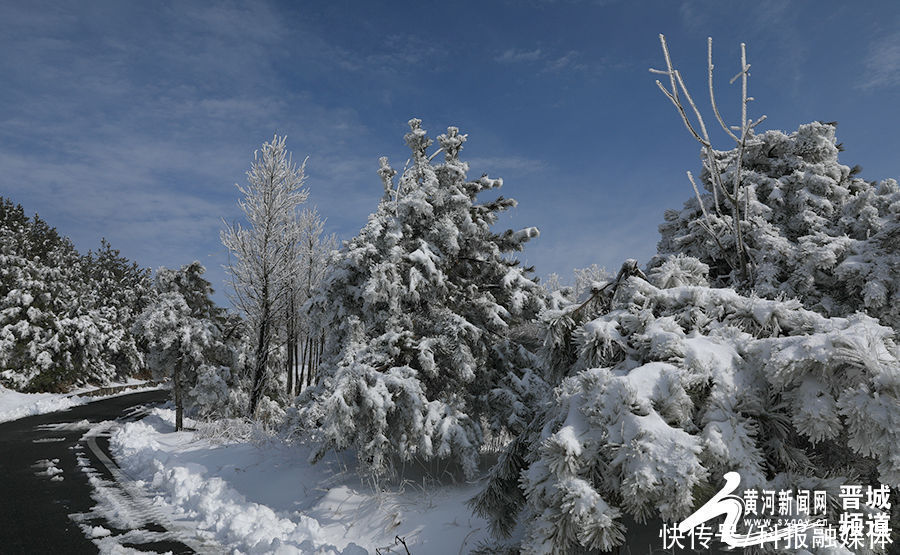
740 207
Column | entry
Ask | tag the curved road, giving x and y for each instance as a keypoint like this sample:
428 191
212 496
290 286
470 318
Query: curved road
35 509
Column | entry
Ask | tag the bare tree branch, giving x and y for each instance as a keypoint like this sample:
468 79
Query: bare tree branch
740 207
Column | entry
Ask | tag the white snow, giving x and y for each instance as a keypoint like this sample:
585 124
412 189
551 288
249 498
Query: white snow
15 405
265 496
48 468
96 531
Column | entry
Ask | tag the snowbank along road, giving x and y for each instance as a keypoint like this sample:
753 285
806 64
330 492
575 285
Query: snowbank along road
57 489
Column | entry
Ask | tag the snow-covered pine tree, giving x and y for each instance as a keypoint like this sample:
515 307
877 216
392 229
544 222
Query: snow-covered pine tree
182 329
33 296
264 255
417 311
779 215
668 384
813 230
55 330
120 290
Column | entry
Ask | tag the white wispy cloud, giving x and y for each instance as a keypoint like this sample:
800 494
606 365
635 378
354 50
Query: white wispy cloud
496 165
568 61
142 140
546 61
882 65
512 56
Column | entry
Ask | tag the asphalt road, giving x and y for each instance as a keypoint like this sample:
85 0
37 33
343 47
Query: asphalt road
34 509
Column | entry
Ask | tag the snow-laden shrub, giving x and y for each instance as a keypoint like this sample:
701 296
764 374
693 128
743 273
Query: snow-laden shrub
670 388
419 312
812 229
210 392
269 414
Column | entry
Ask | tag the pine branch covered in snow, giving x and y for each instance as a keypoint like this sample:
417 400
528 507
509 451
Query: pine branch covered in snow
418 311
676 384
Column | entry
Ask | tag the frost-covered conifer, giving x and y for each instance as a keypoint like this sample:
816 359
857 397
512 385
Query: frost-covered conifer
63 322
304 343
34 294
813 231
181 327
669 384
119 291
780 216
418 309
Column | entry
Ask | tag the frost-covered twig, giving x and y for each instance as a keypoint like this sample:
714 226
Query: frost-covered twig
709 225
741 262
629 268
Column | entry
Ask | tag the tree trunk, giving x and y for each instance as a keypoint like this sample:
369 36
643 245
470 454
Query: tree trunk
320 350
310 353
304 371
290 348
298 370
179 403
262 357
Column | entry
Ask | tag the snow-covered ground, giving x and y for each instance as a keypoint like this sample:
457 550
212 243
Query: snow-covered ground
265 497
15 405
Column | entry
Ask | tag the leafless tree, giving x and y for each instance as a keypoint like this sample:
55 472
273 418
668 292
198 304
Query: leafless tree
677 92
304 342
263 255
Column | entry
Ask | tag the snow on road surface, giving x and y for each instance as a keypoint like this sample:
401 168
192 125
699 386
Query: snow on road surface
264 497
15 405
47 467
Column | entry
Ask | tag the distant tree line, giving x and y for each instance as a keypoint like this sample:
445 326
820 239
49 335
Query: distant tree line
65 318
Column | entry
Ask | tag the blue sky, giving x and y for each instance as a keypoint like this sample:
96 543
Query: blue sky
134 120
